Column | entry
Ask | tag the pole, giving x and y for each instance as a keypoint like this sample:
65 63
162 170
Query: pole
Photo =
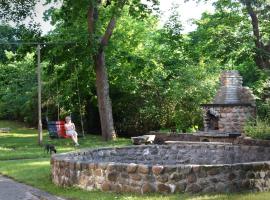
39 96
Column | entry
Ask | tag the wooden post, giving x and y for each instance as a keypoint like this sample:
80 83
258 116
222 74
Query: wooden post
39 96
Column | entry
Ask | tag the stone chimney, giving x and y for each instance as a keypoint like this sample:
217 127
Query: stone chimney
232 106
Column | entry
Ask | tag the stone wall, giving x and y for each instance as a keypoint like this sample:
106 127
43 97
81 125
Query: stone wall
162 137
231 118
167 169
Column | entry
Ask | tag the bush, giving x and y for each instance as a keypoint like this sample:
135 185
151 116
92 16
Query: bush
258 129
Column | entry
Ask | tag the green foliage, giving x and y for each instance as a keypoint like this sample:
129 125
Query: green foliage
258 129
162 79
18 91
158 75
9 35
13 10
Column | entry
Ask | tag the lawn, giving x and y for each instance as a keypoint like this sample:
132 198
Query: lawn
23 160
22 142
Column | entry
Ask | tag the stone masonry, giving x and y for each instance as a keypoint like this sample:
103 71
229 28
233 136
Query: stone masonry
232 106
190 168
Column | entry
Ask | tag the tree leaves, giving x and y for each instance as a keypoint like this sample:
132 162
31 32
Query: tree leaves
16 10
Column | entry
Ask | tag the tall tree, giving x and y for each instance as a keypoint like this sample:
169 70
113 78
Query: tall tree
102 84
255 7
259 12
102 16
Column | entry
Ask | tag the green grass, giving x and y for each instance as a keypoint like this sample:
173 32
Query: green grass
21 143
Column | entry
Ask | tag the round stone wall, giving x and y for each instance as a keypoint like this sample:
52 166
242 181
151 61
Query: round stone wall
166 168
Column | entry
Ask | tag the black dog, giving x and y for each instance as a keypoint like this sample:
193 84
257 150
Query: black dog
50 148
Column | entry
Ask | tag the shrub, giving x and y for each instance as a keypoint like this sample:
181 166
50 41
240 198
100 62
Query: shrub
258 129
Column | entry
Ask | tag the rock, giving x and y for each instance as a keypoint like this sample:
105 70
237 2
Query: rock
231 176
247 184
112 176
193 188
72 165
106 186
162 178
251 175
124 175
209 189
191 178
201 174
180 187
144 169
214 180
84 166
127 188
135 177
98 172
117 188
147 188
78 166
220 187
163 188
91 166
262 174
111 167
102 166
232 187
213 171
157 169
176 176
131 168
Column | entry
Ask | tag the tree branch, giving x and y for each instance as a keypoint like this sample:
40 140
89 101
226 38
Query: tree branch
255 24
91 19
110 27
108 33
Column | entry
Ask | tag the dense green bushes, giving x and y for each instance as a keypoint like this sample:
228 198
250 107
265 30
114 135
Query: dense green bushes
158 75
258 129
18 97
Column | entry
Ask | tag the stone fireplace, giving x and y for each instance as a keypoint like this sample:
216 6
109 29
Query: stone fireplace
232 106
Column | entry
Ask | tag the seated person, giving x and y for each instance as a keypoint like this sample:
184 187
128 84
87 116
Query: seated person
70 130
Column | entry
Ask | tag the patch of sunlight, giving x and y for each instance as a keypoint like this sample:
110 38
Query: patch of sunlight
206 197
36 163
67 149
6 149
21 135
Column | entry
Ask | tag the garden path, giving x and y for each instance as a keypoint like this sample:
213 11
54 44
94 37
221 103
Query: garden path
12 190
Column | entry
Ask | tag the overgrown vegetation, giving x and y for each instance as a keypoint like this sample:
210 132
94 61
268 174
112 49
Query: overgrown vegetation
258 129
158 76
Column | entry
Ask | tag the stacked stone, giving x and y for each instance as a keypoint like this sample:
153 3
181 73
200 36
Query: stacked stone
143 178
231 85
233 105
231 118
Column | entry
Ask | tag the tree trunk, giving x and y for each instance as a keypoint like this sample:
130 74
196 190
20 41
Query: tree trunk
102 83
260 59
104 102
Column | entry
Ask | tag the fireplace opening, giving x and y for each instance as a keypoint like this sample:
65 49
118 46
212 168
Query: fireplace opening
213 121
